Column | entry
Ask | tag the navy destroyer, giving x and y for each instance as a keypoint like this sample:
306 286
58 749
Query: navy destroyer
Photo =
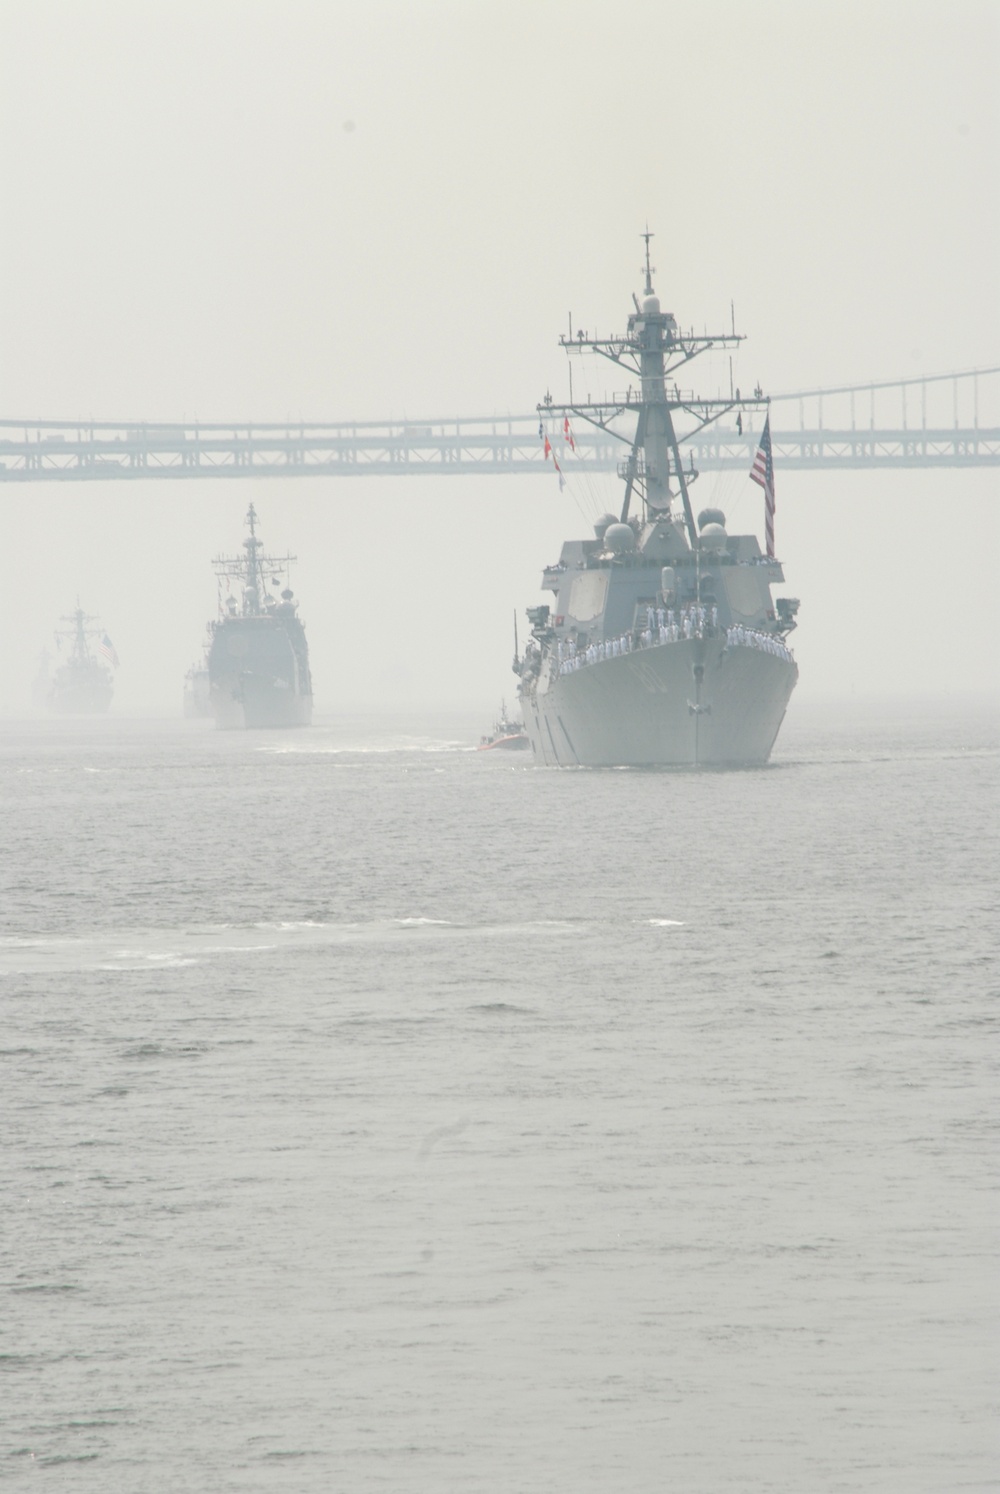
258 660
663 647
82 685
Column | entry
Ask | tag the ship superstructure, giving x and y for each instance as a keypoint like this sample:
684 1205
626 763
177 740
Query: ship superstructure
663 646
258 659
82 685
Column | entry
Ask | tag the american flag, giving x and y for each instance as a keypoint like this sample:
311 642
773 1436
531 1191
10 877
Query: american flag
762 472
107 648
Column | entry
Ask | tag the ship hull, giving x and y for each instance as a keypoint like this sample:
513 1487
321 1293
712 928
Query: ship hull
248 701
84 698
258 674
517 742
694 703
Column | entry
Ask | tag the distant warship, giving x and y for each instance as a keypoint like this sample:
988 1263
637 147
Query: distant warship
197 694
664 647
258 660
82 685
197 690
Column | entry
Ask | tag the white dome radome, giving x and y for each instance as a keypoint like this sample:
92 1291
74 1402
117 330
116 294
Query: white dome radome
619 538
713 537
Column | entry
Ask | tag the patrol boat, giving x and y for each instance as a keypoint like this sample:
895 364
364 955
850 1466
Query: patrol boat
664 647
258 660
507 734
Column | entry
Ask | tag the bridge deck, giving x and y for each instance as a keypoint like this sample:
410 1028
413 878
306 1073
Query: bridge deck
47 451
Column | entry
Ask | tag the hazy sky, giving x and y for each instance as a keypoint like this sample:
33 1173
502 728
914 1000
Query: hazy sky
334 211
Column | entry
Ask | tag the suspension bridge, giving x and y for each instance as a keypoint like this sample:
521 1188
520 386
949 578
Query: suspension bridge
946 420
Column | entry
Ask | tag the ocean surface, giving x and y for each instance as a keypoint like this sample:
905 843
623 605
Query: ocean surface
382 1115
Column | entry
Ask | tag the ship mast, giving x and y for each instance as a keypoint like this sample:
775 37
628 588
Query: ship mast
79 633
654 348
250 569
253 577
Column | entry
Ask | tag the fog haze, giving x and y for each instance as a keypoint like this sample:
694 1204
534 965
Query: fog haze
335 212
384 1114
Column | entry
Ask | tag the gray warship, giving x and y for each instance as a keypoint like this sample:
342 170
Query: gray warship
663 647
82 685
197 690
197 697
258 659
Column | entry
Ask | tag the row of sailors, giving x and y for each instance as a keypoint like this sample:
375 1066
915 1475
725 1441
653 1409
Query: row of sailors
751 638
667 626
570 657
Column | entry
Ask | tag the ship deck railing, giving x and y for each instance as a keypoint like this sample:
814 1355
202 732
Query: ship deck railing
691 624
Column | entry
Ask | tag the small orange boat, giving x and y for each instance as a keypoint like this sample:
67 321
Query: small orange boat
506 733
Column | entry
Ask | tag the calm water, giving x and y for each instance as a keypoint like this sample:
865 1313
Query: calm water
382 1115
